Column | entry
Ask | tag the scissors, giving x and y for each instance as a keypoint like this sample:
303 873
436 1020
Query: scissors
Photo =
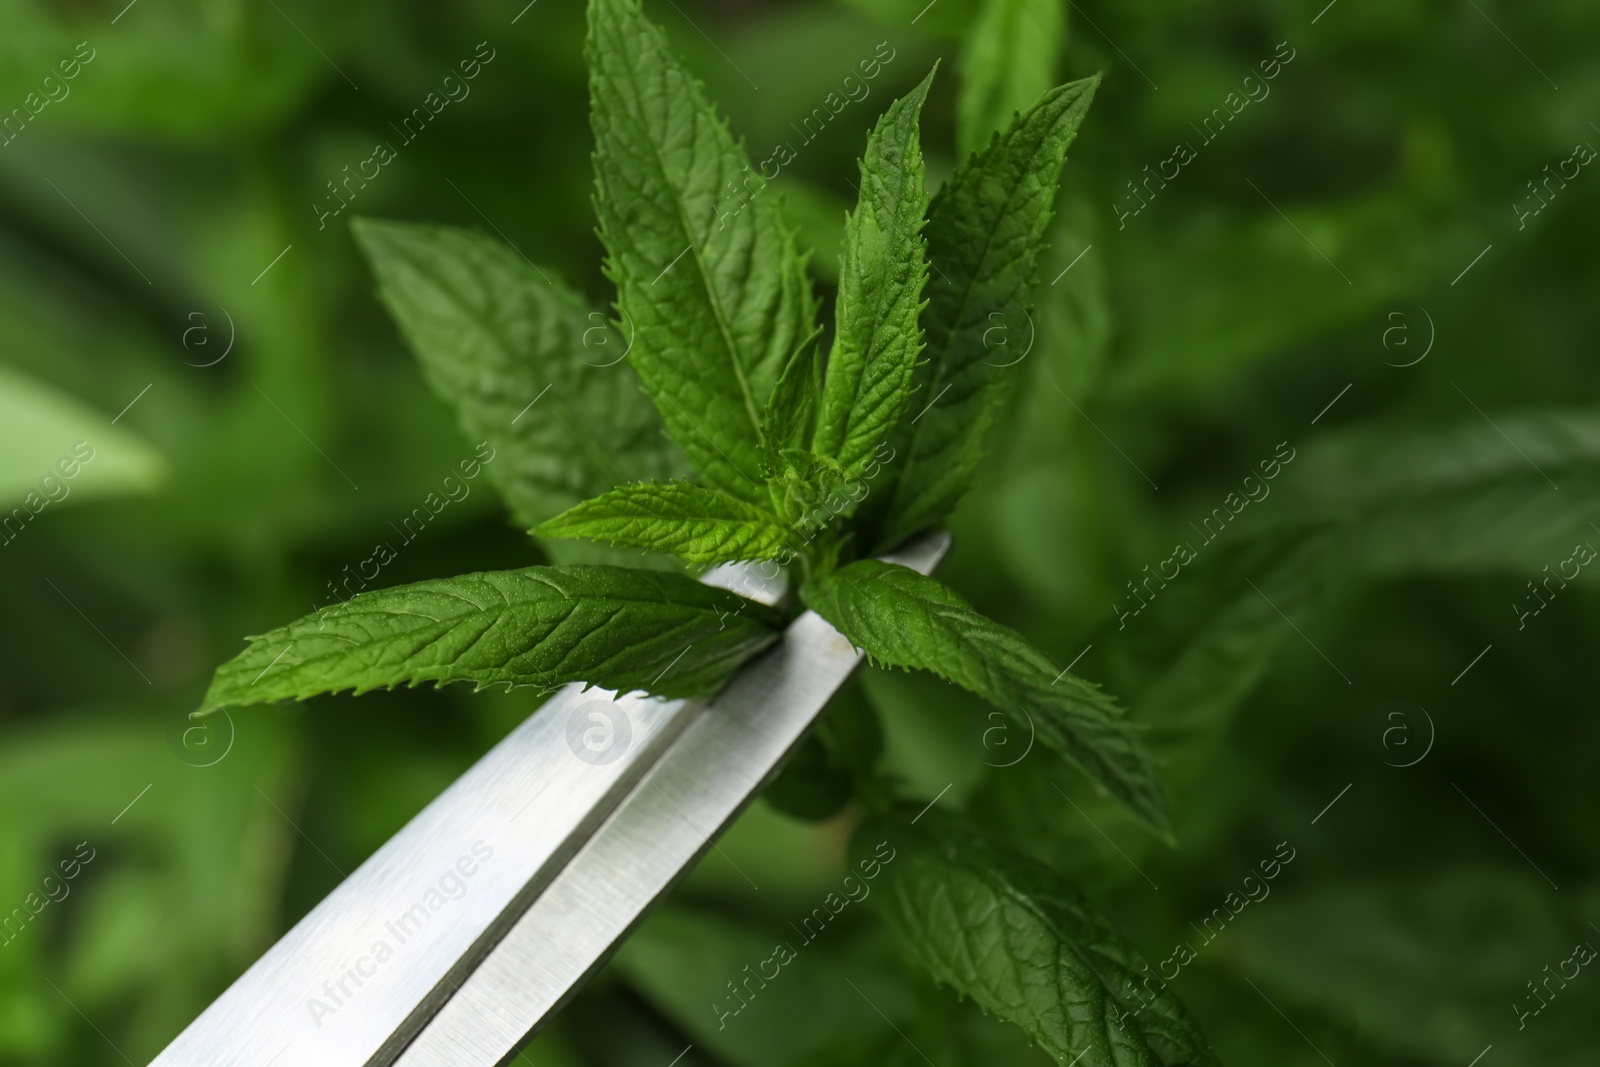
472 926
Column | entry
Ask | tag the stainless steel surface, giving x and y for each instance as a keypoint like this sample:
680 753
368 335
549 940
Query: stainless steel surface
341 985
490 907
355 978
700 783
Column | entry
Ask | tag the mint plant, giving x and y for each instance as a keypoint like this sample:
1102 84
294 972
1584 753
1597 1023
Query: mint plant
772 452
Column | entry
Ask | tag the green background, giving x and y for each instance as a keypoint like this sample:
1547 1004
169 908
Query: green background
1363 235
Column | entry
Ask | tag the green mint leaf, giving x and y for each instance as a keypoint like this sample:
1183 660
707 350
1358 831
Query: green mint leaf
985 230
1377 956
809 491
1348 473
614 627
905 619
1008 63
792 407
494 335
883 268
1362 505
45 430
706 271
697 524
1187 327
1075 324
1012 934
812 786
1231 641
833 762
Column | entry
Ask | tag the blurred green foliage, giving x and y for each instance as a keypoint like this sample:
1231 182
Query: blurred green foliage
160 214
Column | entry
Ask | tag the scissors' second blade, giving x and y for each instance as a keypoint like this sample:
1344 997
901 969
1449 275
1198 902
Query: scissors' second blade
703 780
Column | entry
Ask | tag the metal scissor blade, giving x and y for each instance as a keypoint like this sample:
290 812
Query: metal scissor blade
701 782
365 967
469 880
357 977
